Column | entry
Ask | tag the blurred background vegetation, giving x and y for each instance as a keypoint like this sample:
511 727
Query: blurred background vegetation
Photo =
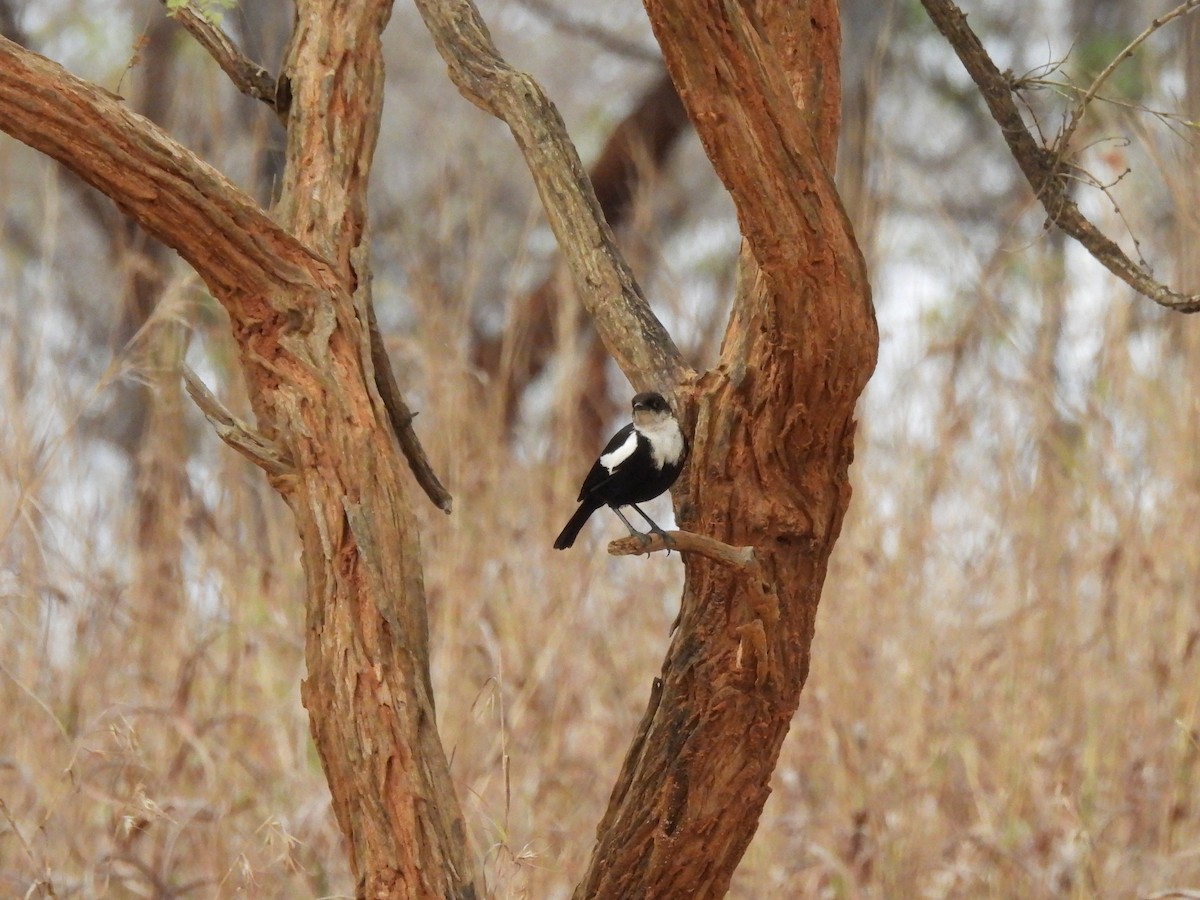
1006 679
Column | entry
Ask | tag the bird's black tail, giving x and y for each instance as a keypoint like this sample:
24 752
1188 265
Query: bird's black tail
571 529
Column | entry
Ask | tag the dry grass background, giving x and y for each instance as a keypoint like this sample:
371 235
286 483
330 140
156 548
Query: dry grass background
1005 692
1003 701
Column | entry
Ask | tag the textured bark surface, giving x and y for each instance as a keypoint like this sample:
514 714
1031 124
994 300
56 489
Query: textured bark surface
297 308
773 440
368 692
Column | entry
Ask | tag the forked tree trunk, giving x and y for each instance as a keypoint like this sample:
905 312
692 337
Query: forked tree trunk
773 440
773 423
367 690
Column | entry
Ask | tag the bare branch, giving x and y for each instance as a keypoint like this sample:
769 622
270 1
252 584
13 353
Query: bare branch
1048 175
1077 116
247 76
635 151
633 335
221 232
740 558
239 435
401 418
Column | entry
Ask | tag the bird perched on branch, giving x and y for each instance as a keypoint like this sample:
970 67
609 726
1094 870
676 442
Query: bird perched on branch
641 461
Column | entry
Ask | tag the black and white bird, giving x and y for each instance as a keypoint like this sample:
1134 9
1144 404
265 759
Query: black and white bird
641 461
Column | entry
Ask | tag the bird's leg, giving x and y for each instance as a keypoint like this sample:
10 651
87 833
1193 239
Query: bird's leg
620 515
643 539
653 525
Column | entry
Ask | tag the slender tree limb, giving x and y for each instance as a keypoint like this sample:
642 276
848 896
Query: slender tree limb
247 76
741 559
636 150
263 452
633 335
242 252
401 417
325 190
1089 95
1046 173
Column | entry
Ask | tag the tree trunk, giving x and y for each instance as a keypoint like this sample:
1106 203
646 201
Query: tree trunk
298 308
773 440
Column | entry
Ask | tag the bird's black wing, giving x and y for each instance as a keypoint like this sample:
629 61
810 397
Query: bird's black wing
599 473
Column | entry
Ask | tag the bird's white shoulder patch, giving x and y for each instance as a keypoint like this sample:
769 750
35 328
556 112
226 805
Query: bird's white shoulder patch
666 441
615 457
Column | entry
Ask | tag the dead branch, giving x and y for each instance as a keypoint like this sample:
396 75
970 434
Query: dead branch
635 151
239 435
1048 175
401 417
247 76
1089 95
740 558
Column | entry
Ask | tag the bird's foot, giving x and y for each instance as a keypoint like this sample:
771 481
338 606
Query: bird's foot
645 540
666 538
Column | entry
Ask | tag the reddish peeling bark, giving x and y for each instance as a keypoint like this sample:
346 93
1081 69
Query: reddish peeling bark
298 309
773 441
368 691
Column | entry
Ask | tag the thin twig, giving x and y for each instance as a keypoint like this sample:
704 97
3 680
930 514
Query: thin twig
247 76
1048 175
1130 48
